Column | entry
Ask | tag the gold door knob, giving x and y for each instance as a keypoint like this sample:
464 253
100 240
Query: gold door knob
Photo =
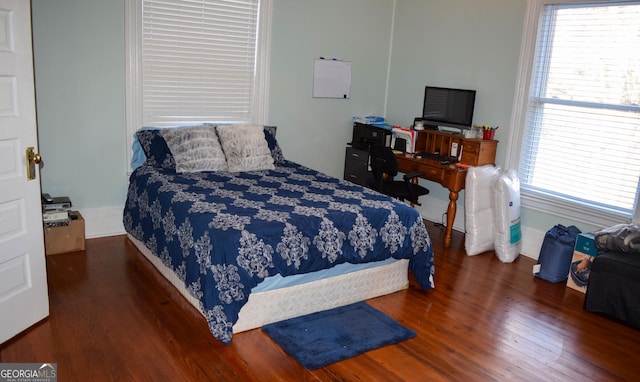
33 158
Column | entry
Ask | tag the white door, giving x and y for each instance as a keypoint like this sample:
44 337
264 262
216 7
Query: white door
24 298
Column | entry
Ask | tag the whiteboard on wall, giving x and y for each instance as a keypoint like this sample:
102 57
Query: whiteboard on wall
331 79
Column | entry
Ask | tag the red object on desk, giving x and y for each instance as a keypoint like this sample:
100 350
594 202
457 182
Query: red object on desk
487 135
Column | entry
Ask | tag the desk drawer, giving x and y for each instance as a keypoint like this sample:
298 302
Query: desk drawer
432 173
449 176
356 178
356 166
477 152
471 148
356 155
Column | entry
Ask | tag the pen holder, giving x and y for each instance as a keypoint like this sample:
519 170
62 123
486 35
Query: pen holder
487 135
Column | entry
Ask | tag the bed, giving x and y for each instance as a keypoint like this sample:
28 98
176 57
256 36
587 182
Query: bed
269 239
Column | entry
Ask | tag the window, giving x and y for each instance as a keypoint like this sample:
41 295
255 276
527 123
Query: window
195 61
580 111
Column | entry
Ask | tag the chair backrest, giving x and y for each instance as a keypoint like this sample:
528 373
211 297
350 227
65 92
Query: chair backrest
383 161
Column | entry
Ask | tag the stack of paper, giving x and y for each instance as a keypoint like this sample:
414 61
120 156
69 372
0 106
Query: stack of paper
408 135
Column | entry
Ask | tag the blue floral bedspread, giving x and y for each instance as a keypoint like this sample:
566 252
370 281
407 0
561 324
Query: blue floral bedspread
223 233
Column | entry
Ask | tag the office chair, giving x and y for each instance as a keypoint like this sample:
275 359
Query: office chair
384 166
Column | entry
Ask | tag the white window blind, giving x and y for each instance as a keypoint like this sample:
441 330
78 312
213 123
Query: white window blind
198 61
582 135
194 61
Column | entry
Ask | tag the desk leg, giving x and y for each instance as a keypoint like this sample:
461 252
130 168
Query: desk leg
451 216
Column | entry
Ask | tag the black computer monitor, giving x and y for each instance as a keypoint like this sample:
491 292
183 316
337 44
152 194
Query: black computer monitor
448 107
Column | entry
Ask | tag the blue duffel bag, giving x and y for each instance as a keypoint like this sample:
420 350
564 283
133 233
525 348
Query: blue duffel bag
556 253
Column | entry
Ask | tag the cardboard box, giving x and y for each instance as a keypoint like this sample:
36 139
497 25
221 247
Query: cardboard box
586 244
65 239
584 251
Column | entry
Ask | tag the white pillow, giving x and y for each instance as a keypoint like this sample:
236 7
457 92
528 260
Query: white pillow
195 149
245 147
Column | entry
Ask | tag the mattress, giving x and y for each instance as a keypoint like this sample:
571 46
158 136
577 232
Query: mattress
364 281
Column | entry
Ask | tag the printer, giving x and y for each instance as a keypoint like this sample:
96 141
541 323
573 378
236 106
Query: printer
365 136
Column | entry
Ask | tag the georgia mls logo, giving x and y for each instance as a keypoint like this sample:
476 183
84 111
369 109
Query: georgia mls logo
47 368
28 372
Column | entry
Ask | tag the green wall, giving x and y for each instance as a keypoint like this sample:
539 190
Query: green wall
314 131
399 45
464 44
79 54
79 73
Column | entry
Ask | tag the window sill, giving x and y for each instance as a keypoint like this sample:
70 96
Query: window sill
555 206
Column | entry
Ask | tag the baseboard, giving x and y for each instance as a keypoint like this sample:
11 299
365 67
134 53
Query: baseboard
107 221
532 242
433 209
102 221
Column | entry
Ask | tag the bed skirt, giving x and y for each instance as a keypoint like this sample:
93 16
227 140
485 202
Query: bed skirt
293 301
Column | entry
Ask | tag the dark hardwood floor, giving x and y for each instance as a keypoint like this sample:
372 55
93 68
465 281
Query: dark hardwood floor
114 318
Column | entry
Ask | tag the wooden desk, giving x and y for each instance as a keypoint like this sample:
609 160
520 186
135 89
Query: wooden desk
449 176
471 151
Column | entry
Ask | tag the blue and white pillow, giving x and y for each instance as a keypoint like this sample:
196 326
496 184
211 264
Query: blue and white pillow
150 147
276 152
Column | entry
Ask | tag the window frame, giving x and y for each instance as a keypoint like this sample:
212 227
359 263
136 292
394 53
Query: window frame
539 200
133 79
